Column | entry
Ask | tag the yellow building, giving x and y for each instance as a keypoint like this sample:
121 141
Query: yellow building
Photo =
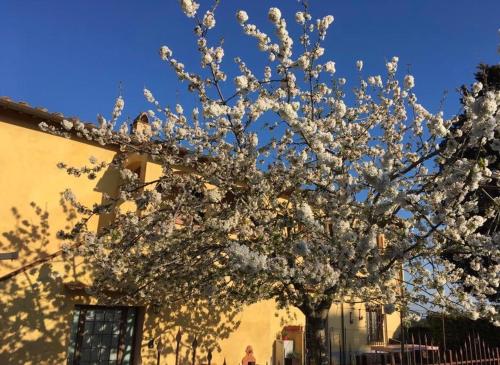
47 316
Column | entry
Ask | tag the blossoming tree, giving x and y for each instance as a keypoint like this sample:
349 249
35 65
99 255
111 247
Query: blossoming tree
486 197
276 187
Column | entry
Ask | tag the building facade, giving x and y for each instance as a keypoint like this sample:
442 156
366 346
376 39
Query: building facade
47 315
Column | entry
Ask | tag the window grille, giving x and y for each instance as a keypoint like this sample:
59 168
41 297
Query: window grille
375 324
102 335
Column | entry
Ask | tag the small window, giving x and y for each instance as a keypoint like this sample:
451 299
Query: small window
375 323
102 335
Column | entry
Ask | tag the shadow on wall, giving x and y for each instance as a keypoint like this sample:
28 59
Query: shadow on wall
34 308
37 304
207 323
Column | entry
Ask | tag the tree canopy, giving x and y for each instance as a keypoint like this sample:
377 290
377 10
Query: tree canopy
486 197
279 183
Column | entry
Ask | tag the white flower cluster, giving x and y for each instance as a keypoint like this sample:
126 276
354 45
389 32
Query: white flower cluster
375 81
300 17
165 53
149 96
409 82
286 42
67 124
330 67
246 260
274 15
305 213
392 65
242 16
189 7
119 105
241 82
323 25
209 20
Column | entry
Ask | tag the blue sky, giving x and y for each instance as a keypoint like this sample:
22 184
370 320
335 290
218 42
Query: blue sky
70 56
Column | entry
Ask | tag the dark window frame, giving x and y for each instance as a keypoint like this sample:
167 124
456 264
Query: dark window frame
375 320
83 308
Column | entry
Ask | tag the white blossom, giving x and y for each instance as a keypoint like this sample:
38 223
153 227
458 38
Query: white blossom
119 105
165 53
247 260
209 20
242 16
123 130
219 54
477 87
68 125
340 108
330 67
300 17
189 7
288 112
409 82
392 65
304 62
254 140
323 25
149 95
305 213
241 82
179 109
489 104
274 15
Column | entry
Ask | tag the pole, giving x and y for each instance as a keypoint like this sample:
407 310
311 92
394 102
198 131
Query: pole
159 346
444 330
342 326
401 316
402 344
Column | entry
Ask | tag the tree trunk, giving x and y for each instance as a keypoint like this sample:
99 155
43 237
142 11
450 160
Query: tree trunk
317 337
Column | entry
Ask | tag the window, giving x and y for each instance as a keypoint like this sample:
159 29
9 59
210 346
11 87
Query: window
375 323
102 335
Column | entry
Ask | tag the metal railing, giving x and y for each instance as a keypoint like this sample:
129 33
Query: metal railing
420 351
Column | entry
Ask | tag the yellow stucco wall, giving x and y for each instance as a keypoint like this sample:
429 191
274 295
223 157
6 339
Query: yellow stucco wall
36 306
257 325
355 327
35 309
29 174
